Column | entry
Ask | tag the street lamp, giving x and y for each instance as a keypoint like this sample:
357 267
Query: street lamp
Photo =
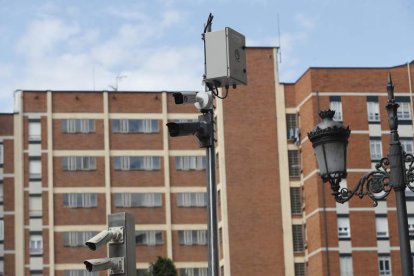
394 172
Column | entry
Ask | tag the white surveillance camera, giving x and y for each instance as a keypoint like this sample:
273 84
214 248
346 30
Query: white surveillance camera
116 265
114 234
201 100
185 97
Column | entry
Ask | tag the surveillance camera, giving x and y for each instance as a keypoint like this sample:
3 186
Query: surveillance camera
116 265
114 234
201 100
182 129
185 97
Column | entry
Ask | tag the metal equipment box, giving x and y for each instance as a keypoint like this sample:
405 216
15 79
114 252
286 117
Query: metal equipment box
225 58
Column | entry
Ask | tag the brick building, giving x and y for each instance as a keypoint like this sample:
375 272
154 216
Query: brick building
69 158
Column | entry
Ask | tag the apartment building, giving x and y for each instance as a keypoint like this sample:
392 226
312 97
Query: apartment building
354 238
70 158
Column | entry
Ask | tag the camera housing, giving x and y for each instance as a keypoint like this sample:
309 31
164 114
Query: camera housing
116 265
113 234
201 100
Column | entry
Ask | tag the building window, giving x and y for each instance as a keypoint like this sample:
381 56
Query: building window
78 272
79 163
404 111
411 227
135 126
299 269
194 271
187 163
192 199
78 125
294 163
407 145
381 224
1 154
35 206
345 265
384 264
36 244
128 200
193 237
298 244
34 131
373 111
336 105
150 238
409 194
292 127
80 200
75 239
1 230
134 163
375 149
343 228
35 168
296 200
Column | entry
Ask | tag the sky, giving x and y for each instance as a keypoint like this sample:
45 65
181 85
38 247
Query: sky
152 45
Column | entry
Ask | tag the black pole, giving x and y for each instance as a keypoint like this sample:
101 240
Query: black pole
212 232
398 182
405 247
213 258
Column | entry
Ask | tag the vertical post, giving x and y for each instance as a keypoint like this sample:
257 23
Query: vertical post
213 258
398 181
405 247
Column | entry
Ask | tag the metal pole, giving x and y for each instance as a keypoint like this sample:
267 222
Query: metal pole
398 181
405 247
213 258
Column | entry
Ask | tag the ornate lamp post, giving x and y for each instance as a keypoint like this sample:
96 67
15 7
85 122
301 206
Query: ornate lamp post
394 172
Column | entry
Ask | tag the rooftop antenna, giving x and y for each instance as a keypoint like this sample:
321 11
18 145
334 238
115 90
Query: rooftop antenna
93 76
280 42
118 78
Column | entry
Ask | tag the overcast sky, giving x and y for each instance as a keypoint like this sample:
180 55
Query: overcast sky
156 44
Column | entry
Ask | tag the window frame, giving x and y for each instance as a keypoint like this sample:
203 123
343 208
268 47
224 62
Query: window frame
384 265
78 126
130 126
335 104
381 221
138 200
375 149
80 200
192 237
343 228
191 199
294 163
191 163
78 163
373 111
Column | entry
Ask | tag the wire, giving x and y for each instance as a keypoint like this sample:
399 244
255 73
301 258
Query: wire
214 90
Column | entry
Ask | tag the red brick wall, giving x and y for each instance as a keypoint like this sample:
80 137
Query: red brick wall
135 102
84 216
68 102
253 197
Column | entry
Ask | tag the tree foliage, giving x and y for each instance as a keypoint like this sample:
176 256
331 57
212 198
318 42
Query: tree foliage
163 267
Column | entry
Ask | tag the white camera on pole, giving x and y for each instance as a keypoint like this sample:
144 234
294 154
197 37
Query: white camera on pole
201 100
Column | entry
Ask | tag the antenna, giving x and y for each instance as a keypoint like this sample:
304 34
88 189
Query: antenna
93 76
118 78
280 42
